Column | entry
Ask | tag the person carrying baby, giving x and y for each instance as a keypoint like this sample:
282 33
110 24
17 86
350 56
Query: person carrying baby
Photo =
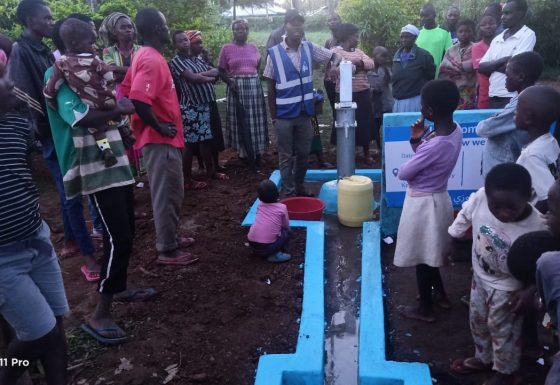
87 75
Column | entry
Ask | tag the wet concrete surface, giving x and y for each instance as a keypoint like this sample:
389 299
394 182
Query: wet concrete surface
343 259
343 251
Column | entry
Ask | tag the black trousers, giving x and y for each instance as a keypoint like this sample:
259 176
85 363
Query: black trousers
116 209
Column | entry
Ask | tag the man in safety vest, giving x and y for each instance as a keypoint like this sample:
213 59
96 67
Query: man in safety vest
289 69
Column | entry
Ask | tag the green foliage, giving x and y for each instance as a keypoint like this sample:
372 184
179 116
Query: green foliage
544 20
8 22
213 42
380 21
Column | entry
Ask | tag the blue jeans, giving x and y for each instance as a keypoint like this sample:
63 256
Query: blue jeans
31 290
94 214
267 249
75 228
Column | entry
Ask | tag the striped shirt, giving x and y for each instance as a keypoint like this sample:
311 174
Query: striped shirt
19 200
360 81
191 93
83 171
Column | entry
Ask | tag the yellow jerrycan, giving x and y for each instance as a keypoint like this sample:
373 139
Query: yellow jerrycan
355 200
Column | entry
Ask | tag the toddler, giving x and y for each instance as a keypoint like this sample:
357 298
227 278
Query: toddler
537 109
422 238
86 75
381 95
270 233
499 213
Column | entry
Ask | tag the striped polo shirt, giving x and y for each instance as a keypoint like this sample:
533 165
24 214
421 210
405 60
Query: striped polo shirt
19 200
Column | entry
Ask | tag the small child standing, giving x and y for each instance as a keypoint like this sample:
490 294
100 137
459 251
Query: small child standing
537 109
422 239
381 95
498 213
270 233
87 75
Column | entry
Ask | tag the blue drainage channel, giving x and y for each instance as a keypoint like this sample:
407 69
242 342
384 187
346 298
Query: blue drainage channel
343 247
307 365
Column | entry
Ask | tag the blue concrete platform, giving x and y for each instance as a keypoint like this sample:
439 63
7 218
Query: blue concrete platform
373 367
306 365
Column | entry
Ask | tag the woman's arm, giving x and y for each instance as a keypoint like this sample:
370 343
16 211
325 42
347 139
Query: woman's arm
200 78
230 81
368 63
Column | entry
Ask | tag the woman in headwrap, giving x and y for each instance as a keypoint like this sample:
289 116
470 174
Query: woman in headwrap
412 68
195 79
238 64
118 33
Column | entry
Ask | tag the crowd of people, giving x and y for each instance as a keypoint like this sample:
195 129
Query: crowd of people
95 117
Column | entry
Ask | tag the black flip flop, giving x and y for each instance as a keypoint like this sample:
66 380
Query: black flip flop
102 339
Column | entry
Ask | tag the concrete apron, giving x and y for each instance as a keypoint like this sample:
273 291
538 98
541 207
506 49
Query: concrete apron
343 253
330 301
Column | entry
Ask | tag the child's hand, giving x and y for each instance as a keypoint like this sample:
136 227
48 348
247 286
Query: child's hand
522 302
417 130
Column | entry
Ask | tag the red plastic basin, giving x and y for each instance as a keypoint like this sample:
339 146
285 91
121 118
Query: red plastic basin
304 208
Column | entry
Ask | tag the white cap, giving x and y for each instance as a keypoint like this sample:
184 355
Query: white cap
410 29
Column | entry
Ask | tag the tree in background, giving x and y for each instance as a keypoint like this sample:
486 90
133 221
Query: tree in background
381 21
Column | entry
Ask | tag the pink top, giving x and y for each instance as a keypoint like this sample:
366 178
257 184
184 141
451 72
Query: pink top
239 60
478 51
430 167
271 218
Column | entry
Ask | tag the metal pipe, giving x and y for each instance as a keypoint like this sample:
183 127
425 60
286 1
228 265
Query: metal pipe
345 140
345 124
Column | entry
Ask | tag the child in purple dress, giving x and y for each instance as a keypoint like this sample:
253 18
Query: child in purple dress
422 239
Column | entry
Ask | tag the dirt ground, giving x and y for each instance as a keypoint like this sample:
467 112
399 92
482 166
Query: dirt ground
214 318
449 338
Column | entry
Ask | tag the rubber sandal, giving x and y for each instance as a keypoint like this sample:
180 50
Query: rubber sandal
181 260
462 366
196 185
136 295
102 339
90 275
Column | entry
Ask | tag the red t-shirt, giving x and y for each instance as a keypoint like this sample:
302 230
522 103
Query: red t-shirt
149 81
478 51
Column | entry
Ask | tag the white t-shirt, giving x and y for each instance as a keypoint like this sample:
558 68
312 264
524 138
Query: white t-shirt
492 240
540 158
522 41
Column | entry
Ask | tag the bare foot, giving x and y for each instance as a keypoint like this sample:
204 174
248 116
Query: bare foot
417 313
92 264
